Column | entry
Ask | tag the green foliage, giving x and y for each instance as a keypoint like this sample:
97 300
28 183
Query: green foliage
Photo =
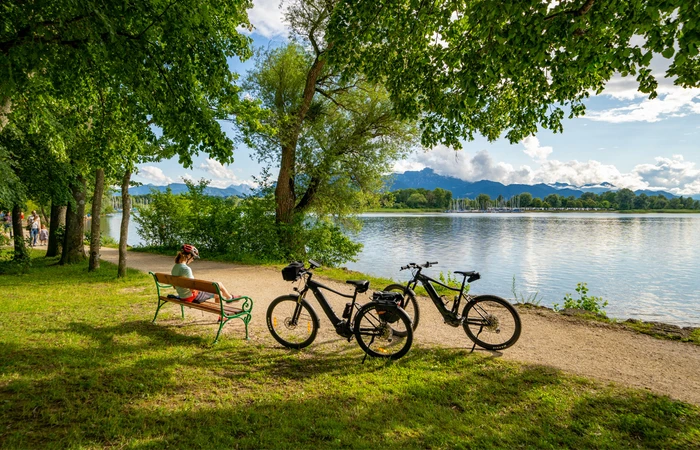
584 302
519 297
438 198
464 67
242 229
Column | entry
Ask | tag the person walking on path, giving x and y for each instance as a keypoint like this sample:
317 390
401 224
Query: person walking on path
7 222
43 235
34 227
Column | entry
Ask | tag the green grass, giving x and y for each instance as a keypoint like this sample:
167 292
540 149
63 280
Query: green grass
81 366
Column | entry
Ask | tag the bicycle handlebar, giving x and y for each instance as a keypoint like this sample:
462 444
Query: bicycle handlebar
416 266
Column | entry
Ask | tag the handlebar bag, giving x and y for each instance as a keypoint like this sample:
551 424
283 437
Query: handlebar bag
292 271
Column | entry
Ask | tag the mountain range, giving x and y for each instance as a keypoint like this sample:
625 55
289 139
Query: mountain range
240 190
428 179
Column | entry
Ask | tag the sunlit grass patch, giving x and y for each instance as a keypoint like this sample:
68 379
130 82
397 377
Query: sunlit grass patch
82 366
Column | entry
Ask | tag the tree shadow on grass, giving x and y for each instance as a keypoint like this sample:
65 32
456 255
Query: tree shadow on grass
147 386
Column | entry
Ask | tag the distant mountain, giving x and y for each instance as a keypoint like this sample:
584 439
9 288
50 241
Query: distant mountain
240 190
428 179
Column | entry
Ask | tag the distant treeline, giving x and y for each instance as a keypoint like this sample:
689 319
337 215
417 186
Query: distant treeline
417 198
623 199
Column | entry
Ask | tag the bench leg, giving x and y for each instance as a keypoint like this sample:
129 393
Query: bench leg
160 305
221 325
182 308
246 320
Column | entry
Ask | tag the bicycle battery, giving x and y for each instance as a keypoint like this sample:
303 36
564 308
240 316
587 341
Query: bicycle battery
387 304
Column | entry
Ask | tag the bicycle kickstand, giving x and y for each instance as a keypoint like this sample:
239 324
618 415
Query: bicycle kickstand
370 343
477 335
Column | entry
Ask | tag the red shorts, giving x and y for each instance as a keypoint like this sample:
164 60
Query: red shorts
198 297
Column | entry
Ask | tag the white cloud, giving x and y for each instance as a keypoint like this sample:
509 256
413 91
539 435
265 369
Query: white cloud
267 16
223 176
674 174
534 150
671 102
155 174
406 165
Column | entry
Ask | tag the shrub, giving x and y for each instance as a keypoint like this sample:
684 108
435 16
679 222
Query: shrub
584 302
519 297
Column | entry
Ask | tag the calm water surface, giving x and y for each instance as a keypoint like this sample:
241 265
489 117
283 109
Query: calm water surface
647 266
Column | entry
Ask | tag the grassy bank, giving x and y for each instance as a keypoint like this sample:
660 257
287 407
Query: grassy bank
82 366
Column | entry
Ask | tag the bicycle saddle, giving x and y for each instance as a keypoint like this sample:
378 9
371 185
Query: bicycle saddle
360 285
473 276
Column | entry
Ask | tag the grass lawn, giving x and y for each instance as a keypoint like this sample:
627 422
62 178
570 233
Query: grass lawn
81 366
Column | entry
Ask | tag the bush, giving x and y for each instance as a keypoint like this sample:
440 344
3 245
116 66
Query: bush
238 229
584 302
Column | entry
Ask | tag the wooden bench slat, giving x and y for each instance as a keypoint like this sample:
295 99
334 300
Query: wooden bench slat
189 283
206 306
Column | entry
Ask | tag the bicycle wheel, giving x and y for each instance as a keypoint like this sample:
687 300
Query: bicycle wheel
491 322
293 323
377 337
409 304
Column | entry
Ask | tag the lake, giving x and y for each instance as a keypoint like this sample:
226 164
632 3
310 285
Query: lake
646 265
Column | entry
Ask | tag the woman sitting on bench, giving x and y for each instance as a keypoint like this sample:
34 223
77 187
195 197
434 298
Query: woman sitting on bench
186 255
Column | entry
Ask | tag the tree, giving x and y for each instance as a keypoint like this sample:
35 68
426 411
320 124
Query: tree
537 202
467 66
417 201
625 199
171 56
483 201
554 200
331 137
525 199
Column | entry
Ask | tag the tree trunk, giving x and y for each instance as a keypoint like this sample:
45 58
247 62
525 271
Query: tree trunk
73 246
18 230
95 235
58 219
124 229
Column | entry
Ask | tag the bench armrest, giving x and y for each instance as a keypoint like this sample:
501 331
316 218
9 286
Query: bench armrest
247 304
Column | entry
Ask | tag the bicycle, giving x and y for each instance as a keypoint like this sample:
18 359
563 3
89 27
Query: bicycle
489 321
293 322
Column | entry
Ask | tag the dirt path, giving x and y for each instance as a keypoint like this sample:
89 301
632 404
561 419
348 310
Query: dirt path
588 349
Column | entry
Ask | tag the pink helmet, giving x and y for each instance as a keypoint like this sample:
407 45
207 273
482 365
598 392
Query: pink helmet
189 249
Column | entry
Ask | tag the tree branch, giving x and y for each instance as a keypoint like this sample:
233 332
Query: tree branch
573 12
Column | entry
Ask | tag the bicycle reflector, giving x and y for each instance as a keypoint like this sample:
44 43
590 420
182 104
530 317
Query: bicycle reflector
387 304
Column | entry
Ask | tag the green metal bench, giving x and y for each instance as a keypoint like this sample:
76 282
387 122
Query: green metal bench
225 310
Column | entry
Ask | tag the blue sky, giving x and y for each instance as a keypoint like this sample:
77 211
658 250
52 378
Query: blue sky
625 139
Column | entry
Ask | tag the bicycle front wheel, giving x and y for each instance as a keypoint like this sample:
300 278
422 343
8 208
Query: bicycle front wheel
491 322
292 322
409 304
380 338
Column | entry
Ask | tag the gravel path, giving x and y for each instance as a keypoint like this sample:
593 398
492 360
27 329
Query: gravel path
592 350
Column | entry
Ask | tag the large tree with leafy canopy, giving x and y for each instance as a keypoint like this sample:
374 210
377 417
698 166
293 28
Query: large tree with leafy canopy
489 67
171 55
332 137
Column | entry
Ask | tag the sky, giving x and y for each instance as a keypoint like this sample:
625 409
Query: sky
624 139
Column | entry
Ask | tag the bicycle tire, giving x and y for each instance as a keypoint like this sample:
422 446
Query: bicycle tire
409 304
493 315
370 327
279 318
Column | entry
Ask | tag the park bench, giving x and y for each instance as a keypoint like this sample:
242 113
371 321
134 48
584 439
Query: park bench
225 310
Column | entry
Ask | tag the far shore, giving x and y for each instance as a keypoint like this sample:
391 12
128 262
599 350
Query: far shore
563 211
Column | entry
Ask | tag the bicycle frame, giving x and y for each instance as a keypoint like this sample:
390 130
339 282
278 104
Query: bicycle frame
452 316
315 288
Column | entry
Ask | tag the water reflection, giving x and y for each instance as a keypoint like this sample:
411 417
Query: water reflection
645 265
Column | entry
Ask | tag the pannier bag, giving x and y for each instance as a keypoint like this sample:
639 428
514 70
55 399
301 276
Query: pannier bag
292 271
387 302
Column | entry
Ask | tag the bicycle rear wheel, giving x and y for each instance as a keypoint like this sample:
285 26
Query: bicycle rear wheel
377 337
409 304
491 322
292 322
